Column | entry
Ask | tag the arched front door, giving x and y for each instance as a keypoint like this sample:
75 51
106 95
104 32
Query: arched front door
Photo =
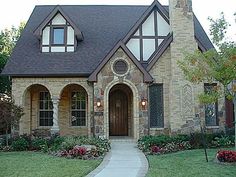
118 113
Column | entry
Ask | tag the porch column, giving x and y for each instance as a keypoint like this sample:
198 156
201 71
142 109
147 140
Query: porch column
55 127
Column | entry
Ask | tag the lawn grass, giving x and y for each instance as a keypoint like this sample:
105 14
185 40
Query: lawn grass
36 164
190 163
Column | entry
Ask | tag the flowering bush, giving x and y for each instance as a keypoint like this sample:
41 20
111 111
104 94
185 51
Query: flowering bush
226 156
77 151
155 149
164 144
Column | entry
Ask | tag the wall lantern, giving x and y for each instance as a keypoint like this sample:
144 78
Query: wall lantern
98 102
143 102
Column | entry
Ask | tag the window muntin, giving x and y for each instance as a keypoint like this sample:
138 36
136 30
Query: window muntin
211 110
58 37
78 108
45 109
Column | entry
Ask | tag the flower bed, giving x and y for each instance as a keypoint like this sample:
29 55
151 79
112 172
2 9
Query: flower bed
69 146
228 156
163 144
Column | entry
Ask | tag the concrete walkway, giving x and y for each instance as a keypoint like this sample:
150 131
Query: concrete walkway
123 160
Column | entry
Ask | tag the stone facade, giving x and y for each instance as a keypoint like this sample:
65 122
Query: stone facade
107 78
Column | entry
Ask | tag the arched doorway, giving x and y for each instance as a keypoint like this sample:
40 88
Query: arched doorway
120 111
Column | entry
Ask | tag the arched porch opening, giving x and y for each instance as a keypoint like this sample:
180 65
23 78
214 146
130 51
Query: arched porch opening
73 110
38 109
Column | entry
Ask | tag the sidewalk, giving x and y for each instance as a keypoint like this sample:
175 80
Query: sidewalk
123 160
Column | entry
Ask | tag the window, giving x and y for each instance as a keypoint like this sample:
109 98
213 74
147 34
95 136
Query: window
120 67
156 106
45 109
149 36
58 36
211 110
78 108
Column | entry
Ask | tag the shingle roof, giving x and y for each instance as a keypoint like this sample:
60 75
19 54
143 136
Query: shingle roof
102 27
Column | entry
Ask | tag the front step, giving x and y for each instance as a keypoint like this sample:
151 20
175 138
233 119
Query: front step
122 139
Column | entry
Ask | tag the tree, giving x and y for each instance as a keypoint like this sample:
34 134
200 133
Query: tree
215 65
10 113
8 39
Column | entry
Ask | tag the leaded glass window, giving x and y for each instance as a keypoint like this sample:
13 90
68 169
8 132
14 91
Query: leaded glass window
156 106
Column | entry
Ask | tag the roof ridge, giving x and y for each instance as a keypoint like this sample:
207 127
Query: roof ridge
88 5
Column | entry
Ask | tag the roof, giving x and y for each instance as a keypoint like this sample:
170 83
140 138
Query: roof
101 33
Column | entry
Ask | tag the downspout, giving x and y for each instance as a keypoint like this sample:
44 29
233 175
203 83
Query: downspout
31 103
93 118
148 108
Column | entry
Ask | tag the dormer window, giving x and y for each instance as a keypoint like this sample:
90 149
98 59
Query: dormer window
58 33
58 37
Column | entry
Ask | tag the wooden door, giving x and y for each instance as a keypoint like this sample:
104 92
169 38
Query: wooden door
118 113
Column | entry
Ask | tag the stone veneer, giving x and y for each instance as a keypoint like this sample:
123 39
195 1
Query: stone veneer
107 78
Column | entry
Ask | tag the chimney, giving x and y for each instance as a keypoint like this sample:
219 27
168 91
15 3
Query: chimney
182 26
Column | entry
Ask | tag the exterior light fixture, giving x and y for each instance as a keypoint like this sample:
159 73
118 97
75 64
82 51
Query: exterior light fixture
143 102
98 102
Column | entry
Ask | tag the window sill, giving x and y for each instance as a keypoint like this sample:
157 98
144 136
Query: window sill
157 128
44 127
77 126
212 127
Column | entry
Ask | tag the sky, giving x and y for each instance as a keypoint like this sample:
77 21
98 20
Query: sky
12 12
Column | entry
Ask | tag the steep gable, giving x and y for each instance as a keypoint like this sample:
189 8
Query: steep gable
151 30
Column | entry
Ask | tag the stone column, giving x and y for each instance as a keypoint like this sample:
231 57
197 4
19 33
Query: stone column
55 128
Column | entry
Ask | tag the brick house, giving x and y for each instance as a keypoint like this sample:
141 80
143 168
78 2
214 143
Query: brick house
110 71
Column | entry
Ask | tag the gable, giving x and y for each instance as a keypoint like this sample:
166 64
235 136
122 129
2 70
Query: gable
120 46
58 35
149 33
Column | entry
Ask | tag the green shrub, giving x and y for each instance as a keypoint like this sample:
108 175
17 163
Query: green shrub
223 141
54 143
38 143
69 142
146 142
196 140
20 144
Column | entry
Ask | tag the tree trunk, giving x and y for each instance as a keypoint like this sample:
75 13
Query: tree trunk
7 143
235 121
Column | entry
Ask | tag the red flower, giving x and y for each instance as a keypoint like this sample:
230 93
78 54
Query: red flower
226 156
